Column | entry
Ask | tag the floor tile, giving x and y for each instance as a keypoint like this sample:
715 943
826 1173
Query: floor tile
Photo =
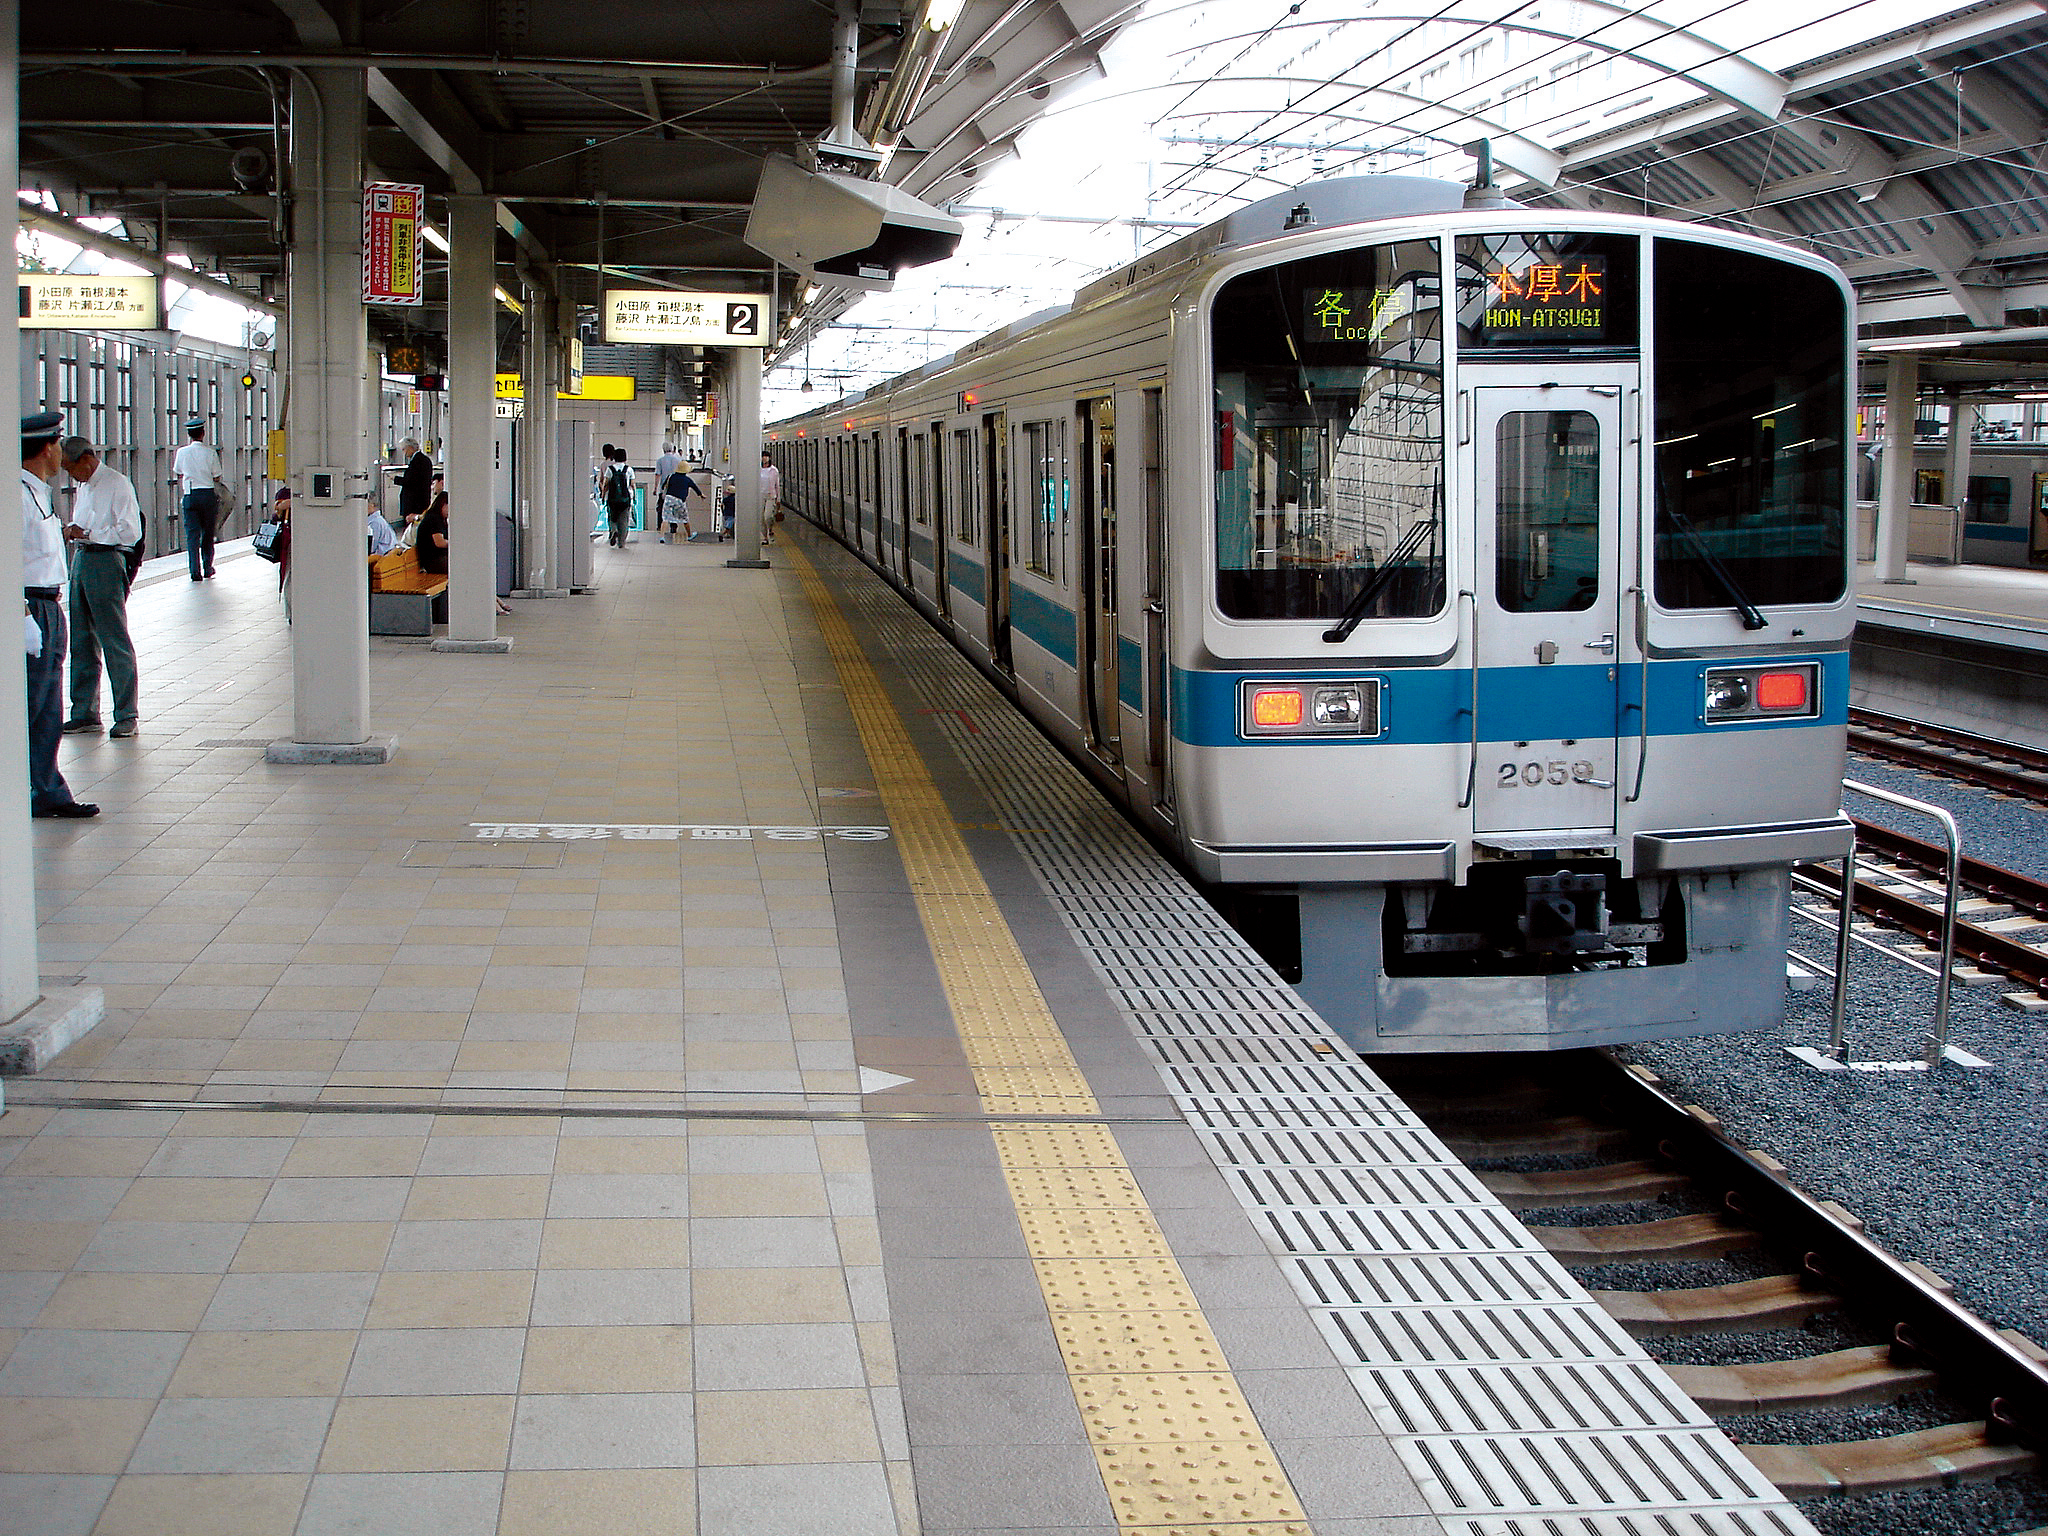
615 1359
764 1428
615 1243
78 1435
49 1504
795 1501
311 1247
163 1302
464 1245
402 1504
419 1434
436 1362
207 1505
758 1356
76 1362
264 1364
612 1429
247 1302
610 1297
488 1298
233 1434
615 1502
768 1296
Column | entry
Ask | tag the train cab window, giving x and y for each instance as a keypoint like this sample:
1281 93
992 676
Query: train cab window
1547 512
1329 436
1750 422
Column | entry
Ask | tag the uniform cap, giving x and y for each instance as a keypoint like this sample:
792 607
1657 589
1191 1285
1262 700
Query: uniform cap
42 427
198 422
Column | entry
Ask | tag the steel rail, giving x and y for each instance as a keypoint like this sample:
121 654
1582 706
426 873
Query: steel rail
2020 770
2021 961
1980 1366
2006 885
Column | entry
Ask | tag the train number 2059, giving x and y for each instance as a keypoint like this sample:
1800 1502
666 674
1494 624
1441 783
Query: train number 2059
1555 771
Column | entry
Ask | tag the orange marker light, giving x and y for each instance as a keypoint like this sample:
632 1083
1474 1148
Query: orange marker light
1277 707
1781 690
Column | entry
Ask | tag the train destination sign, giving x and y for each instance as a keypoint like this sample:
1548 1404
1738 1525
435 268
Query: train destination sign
700 319
1548 300
1352 314
88 301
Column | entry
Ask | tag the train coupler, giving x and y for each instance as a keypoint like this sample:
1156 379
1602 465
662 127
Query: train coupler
1565 914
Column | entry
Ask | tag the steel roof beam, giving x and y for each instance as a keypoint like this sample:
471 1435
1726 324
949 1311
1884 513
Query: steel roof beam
487 64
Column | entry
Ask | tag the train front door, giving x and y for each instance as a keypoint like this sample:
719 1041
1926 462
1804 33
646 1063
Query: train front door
1550 475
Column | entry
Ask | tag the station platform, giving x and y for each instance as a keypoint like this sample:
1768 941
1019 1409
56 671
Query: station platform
1957 645
729 1074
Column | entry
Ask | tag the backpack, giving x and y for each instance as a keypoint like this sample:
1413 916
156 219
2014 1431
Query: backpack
618 488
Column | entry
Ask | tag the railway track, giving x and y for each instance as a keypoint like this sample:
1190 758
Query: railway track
2001 923
2004 766
1709 1254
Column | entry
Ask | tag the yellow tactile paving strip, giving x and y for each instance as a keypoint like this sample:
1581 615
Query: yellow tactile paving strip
1174 1438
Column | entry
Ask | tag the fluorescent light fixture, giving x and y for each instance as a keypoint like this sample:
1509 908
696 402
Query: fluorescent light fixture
2031 397
1916 344
435 238
941 14
811 292
1665 442
509 302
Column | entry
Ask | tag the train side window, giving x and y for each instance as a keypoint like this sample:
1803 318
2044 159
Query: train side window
1329 450
1990 499
1928 485
966 530
935 503
1752 356
1546 476
1045 511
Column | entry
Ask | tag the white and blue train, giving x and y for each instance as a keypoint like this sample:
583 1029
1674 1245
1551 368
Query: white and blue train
1462 591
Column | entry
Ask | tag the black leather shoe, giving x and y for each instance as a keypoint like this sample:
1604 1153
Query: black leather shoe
79 727
77 810
124 728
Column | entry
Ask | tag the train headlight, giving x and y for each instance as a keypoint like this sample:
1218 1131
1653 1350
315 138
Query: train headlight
1727 693
1288 707
1769 692
1343 704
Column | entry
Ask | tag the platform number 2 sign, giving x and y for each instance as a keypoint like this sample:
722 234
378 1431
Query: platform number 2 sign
743 320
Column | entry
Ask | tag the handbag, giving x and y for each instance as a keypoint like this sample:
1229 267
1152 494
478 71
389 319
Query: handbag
269 541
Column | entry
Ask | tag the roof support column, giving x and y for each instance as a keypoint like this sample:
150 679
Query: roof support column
1962 436
327 332
472 425
1895 475
743 393
20 985
538 514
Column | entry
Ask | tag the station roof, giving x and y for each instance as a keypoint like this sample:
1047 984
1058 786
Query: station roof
627 133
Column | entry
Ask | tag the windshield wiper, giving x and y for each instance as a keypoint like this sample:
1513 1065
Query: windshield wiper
1722 576
1354 611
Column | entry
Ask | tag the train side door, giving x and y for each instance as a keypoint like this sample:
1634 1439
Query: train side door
995 447
1099 580
935 517
1549 478
2037 522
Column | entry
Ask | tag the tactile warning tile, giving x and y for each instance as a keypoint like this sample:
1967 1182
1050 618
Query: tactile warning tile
1175 1440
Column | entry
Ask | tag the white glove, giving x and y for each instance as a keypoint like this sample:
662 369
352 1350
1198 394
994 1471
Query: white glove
32 634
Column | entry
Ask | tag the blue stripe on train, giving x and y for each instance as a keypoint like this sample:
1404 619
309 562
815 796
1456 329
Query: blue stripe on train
967 577
1515 703
1130 674
1042 620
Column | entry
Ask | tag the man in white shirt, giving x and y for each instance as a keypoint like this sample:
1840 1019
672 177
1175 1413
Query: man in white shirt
106 521
383 537
197 467
42 590
771 498
666 464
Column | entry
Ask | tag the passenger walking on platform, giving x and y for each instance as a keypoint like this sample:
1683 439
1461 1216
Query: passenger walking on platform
771 498
697 481
42 588
618 497
728 506
106 522
415 481
666 463
676 490
197 467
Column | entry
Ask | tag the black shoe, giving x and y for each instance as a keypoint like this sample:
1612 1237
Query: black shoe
75 810
199 578
78 727
124 728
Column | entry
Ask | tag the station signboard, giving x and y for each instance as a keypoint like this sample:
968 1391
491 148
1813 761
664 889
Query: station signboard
667 315
88 302
392 211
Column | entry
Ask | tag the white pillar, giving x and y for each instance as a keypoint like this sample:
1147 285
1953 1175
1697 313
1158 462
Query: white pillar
744 373
536 434
472 427
1895 477
1962 434
19 984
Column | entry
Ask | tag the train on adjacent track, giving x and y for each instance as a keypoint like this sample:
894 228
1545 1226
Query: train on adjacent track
1460 590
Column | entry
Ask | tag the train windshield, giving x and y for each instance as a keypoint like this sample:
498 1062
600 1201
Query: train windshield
1329 436
1750 423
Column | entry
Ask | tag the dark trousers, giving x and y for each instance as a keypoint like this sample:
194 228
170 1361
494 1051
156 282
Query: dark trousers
202 511
99 628
620 515
46 786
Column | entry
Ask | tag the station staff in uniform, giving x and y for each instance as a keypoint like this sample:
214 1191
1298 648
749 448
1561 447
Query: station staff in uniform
106 522
42 583
197 467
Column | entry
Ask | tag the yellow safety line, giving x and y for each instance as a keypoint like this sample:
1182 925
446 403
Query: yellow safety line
1174 1438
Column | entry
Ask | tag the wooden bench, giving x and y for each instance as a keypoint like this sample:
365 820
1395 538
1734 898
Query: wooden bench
402 595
